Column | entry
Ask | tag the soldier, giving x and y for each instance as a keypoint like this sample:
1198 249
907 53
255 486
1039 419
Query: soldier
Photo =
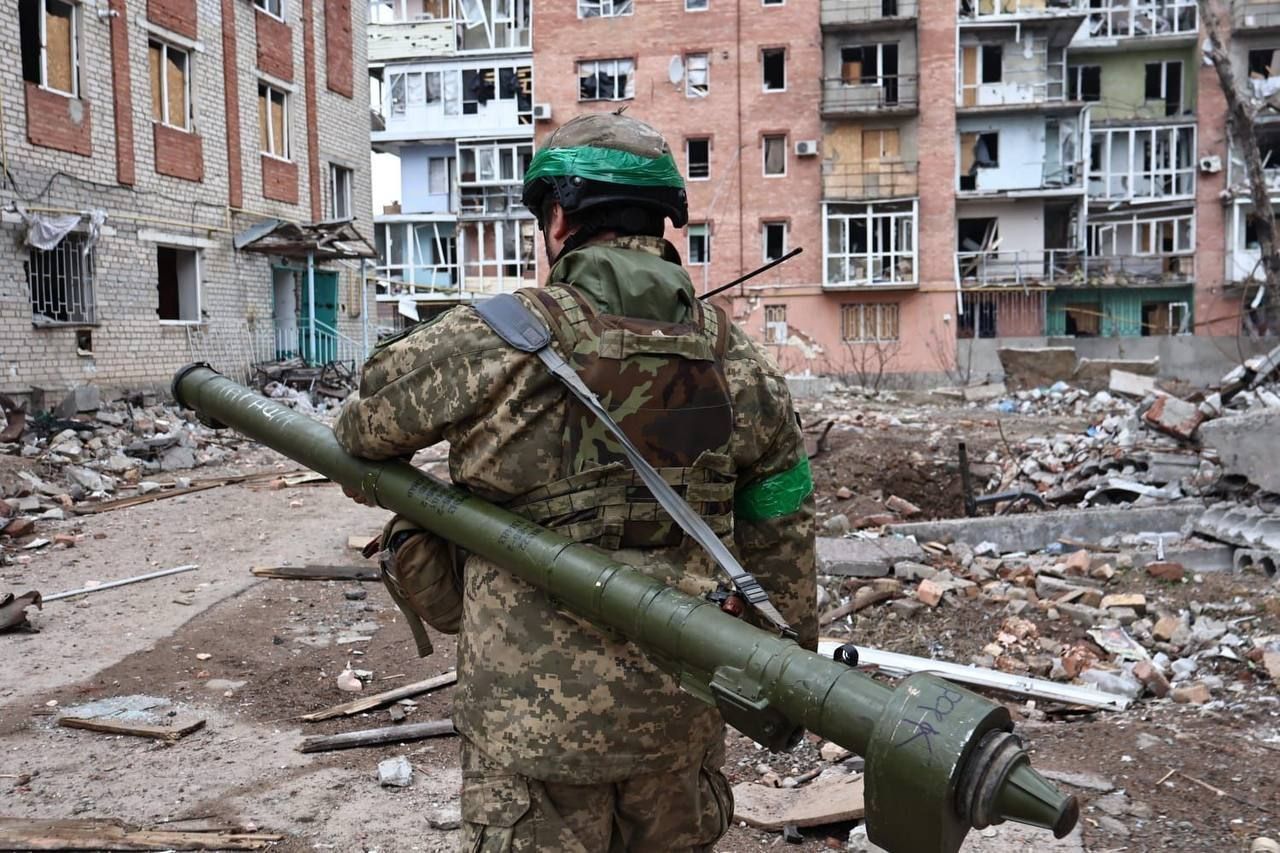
572 740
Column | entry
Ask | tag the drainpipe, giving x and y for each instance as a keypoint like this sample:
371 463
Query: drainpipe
311 302
364 308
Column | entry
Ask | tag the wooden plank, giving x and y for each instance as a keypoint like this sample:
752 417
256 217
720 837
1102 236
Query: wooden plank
164 494
377 737
318 573
107 834
826 800
169 734
356 541
377 700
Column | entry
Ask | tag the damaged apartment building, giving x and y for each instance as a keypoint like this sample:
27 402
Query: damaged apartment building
179 182
452 91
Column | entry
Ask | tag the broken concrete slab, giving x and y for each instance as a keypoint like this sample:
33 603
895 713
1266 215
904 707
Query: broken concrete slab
1248 446
985 393
1094 373
1131 384
1174 417
833 797
1036 366
82 398
1218 558
864 558
1034 531
1246 526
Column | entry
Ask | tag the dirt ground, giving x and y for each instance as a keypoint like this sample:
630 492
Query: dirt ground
249 656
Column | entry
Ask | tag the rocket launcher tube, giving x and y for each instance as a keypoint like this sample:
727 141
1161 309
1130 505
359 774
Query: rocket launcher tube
940 759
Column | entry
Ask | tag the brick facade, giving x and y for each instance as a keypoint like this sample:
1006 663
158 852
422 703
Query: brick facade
312 109
274 39
178 153
337 46
79 163
58 121
177 16
280 179
122 93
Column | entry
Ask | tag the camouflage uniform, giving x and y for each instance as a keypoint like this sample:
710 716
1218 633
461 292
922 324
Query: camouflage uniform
574 740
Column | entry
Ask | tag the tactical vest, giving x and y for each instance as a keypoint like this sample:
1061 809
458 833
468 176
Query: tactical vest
665 386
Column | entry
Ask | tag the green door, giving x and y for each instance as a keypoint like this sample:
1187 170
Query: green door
326 314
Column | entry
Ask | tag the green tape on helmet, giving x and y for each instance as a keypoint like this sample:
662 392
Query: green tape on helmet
608 165
779 495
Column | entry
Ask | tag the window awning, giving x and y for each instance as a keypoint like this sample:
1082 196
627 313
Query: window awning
324 241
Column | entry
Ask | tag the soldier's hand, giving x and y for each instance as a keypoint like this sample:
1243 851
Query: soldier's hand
356 496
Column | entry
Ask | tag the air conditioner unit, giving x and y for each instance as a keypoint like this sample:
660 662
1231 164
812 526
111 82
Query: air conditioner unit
542 112
807 148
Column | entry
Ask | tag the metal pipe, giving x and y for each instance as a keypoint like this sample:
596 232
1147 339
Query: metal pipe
311 304
122 582
932 748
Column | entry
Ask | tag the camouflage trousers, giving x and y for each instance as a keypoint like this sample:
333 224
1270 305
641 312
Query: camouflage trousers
685 811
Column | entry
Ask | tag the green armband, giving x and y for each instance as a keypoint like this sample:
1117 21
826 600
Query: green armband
781 494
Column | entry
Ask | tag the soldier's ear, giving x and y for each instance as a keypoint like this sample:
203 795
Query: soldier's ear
558 226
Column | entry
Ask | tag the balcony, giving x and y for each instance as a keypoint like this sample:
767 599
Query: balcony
871 180
414 29
897 95
845 14
1177 20
500 201
1023 11
1255 18
1139 270
1029 268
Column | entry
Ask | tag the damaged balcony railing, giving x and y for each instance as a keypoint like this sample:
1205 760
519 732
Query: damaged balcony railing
873 179
1136 20
1255 16
1020 268
1102 270
843 13
841 96
983 9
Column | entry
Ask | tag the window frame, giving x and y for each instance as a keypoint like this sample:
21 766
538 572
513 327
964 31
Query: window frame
764 155
764 238
689 92
270 128
764 83
75 48
880 315
628 91
876 266
198 256
1075 81
347 194
85 281
688 158
775 319
449 169
706 5
264 6
703 230
188 104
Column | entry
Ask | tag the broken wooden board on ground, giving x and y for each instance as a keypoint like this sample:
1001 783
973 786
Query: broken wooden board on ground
368 703
378 737
164 494
107 834
306 478
828 799
357 541
168 734
317 573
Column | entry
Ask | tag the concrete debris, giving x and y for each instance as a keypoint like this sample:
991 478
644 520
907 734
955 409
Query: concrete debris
395 772
864 557
1131 384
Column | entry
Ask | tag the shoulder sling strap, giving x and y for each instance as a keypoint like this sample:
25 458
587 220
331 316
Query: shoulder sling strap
512 320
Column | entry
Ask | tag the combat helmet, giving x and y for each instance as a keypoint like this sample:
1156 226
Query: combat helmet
610 171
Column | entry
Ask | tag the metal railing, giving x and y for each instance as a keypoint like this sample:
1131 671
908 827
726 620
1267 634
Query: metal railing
1143 20
984 9
295 341
840 96
1131 270
1255 16
62 283
844 13
869 180
1019 268
1024 88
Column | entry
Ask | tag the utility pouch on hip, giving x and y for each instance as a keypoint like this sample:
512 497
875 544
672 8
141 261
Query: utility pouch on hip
423 574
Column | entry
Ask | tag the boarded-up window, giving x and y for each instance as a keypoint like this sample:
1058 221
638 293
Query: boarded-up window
49 35
1083 319
775 155
881 144
170 85
863 323
273 118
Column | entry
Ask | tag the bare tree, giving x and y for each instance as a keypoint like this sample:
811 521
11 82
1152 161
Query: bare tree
865 363
1241 132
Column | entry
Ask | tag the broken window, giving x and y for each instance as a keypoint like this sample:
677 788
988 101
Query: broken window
695 5
273 120
977 234
775 324
774 66
979 319
606 80
274 8
697 80
1165 318
340 179
699 244
992 63
872 244
1084 83
698 156
170 85
977 151
1083 320
1264 63
775 156
604 8
49 35
869 323
178 284
61 280
1164 83
478 89
773 237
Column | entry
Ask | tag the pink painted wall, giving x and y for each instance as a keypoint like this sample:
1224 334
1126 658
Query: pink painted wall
1215 312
